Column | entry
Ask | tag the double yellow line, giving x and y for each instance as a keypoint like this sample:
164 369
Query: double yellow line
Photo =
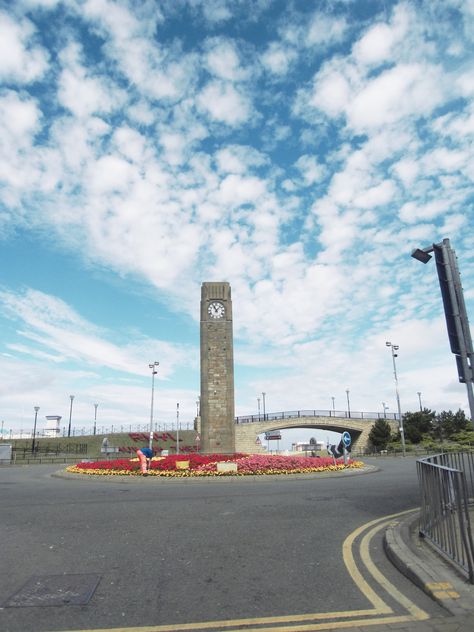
381 612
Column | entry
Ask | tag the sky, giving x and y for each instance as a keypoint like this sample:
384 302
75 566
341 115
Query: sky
297 149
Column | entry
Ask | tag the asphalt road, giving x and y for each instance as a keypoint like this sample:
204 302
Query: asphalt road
175 552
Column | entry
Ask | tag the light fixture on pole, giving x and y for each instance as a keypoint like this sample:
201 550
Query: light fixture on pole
71 397
153 373
394 348
34 430
95 418
455 313
263 399
419 399
348 404
177 428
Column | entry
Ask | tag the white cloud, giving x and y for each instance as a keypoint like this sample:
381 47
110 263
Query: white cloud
223 60
311 170
239 159
278 58
378 195
407 170
412 212
84 95
325 30
22 61
379 41
332 92
406 90
19 118
224 103
52 326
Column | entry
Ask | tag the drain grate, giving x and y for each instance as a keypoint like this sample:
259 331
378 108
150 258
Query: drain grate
54 590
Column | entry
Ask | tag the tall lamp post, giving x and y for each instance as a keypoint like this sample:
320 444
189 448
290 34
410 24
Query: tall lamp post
263 399
348 404
385 408
419 399
455 312
71 397
95 418
394 348
177 428
258 406
34 430
334 405
153 373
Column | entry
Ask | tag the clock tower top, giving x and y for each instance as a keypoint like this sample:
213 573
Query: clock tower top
216 301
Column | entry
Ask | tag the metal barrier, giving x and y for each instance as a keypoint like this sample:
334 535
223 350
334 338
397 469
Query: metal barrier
447 489
294 414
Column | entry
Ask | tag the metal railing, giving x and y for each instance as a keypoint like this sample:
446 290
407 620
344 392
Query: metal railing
293 414
447 491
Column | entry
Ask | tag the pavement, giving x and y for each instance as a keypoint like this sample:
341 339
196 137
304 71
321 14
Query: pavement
418 560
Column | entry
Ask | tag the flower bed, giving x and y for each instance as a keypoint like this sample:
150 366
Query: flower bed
206 465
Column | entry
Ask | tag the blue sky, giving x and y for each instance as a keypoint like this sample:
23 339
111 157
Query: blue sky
298 150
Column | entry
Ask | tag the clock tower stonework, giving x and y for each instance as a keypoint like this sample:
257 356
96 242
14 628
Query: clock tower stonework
217 369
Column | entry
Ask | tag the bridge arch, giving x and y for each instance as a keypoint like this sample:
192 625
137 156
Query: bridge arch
246 432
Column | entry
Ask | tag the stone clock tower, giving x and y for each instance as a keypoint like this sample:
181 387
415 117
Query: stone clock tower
217 369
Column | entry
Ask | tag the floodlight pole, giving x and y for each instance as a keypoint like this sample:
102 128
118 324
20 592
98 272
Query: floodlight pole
36 409
177 428
455 311
71 397
394 348
153 373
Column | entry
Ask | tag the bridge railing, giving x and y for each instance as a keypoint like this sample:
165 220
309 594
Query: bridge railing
294 414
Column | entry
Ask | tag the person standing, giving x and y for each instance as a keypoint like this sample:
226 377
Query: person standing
144 456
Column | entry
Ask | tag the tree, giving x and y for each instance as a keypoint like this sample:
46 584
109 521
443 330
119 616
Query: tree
417 424
380 434
447 423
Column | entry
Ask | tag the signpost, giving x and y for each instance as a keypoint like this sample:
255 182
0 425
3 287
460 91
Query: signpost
273 435
346 444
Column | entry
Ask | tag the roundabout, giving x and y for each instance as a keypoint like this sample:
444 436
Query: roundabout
195 465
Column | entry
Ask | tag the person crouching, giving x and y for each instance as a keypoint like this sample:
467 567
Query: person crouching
144 456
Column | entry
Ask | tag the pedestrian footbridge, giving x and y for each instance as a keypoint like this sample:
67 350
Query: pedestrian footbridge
358 424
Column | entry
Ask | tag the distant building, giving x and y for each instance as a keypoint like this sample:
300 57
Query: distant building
52 426
303 446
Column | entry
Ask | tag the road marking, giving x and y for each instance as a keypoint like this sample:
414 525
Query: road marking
381 613
442 590
406 603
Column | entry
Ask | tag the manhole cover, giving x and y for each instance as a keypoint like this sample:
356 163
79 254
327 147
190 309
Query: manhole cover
54 590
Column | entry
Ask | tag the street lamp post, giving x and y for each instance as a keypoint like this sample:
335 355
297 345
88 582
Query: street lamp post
153 373
95 418
385 408
258 405
263 400
459 333
348 404
71 397
177 428
419 399
394 348
34 430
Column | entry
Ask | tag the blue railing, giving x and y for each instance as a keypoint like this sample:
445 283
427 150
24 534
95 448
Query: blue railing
294 414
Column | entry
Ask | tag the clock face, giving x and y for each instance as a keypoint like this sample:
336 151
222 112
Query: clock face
216 310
